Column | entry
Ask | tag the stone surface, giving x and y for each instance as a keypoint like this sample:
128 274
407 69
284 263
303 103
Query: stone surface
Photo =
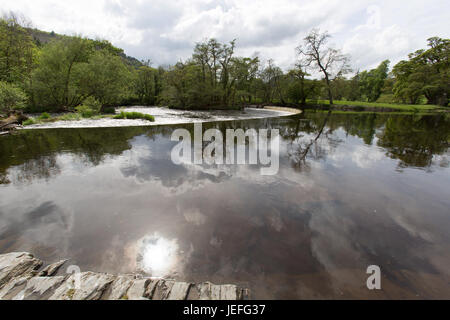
39 288
17 264
137 289
162 290
151 288
209 291
51 269
90 287
119 288
19 280
13 288
179 291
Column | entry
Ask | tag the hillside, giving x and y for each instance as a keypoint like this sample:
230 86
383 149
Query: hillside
42 37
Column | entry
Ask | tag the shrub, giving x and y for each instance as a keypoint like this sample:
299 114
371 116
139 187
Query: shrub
11 97
44 116
89 108
93 104
135 115
85 111
29 121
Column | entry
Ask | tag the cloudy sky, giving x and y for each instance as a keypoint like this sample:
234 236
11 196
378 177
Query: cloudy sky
166 30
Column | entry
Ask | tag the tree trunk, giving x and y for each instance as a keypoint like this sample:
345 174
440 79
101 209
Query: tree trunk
330 94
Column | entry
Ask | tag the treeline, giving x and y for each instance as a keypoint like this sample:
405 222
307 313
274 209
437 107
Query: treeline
65 72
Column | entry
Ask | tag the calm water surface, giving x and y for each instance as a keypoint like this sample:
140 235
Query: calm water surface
365 190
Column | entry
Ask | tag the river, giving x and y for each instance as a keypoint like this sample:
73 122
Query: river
353 190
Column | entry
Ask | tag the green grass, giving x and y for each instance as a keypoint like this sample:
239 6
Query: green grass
399 112
44 116
134 115
29 122
396 106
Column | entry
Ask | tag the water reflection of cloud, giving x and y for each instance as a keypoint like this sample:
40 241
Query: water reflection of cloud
193 215
43 227
365 157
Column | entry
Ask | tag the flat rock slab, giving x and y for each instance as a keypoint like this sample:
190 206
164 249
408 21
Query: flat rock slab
137 289
119 288
83 286
52 269
179 291
20 280
40 288
209 291
13 288
17 264
162 290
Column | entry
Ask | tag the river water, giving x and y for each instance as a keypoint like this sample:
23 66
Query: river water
353 190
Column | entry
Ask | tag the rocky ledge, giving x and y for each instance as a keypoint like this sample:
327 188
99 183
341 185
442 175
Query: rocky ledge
23 277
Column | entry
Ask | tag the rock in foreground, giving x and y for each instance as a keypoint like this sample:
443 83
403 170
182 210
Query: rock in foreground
20 279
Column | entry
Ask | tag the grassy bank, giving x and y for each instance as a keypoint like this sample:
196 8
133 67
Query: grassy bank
393 106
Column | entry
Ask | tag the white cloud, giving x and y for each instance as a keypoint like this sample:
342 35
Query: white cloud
166 31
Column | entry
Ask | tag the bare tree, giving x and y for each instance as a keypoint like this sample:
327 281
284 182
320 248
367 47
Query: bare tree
331 62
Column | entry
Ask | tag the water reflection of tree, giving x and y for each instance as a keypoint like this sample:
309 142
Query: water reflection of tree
309 139
33 154
415 140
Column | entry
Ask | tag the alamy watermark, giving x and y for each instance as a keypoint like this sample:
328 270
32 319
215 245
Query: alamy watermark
263 148
374 280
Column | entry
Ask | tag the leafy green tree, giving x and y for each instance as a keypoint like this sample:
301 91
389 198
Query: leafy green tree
353 89
56 81
427 73
11 97
105 77
17 50
299 87
207 80
245 71
147 85
272 77
371 82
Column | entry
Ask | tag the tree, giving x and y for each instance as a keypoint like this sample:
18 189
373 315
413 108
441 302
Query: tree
11 98
146 85
354 91
207 80
60 67
372 82
245 71
329 61
16 49
105 77
271 77
427 73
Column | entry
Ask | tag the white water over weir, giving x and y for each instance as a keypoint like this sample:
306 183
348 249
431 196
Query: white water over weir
169 116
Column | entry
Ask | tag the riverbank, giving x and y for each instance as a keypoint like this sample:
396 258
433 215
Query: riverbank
375 106
23 277
165 116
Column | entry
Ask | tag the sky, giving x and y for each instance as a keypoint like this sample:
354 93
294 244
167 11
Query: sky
165 31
